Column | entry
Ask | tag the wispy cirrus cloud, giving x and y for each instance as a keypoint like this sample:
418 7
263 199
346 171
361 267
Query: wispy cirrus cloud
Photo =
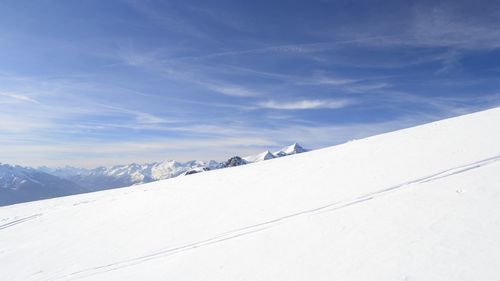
208 77
135 79
455 28
168 18
203 76
231 90
328 80
306 104
222 141
18 97
460 25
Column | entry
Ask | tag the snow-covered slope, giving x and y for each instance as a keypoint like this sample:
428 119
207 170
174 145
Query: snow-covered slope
20 184
416 204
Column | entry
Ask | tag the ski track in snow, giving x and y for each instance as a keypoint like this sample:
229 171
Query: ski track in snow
18 221
264 225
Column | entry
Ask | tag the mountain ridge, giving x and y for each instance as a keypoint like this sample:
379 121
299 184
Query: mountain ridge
21 184
70 180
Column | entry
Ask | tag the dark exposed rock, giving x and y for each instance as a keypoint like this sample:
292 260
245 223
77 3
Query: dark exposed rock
233 161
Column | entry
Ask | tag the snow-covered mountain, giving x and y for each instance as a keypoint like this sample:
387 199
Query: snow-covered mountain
132 174
415 204
267 155
126 175
232 162
20 184
290 150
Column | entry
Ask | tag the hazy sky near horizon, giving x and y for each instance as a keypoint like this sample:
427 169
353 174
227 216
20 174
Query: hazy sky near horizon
89 83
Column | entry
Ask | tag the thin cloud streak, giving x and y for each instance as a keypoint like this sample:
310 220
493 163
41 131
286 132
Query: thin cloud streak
429 26
287 49
19 97
307 104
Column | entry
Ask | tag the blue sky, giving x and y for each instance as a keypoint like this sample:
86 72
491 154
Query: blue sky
90 83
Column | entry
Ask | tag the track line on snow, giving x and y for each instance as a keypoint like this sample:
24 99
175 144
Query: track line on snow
436 176
267 224
12 223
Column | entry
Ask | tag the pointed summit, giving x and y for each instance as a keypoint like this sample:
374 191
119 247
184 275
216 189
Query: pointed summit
266 155
292 149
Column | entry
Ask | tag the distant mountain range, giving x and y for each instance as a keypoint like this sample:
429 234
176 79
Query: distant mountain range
125 175
20 184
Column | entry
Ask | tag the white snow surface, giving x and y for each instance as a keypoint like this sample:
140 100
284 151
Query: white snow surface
415 204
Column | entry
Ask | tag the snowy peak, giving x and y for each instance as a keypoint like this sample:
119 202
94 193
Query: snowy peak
266 155
290 150
170 168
